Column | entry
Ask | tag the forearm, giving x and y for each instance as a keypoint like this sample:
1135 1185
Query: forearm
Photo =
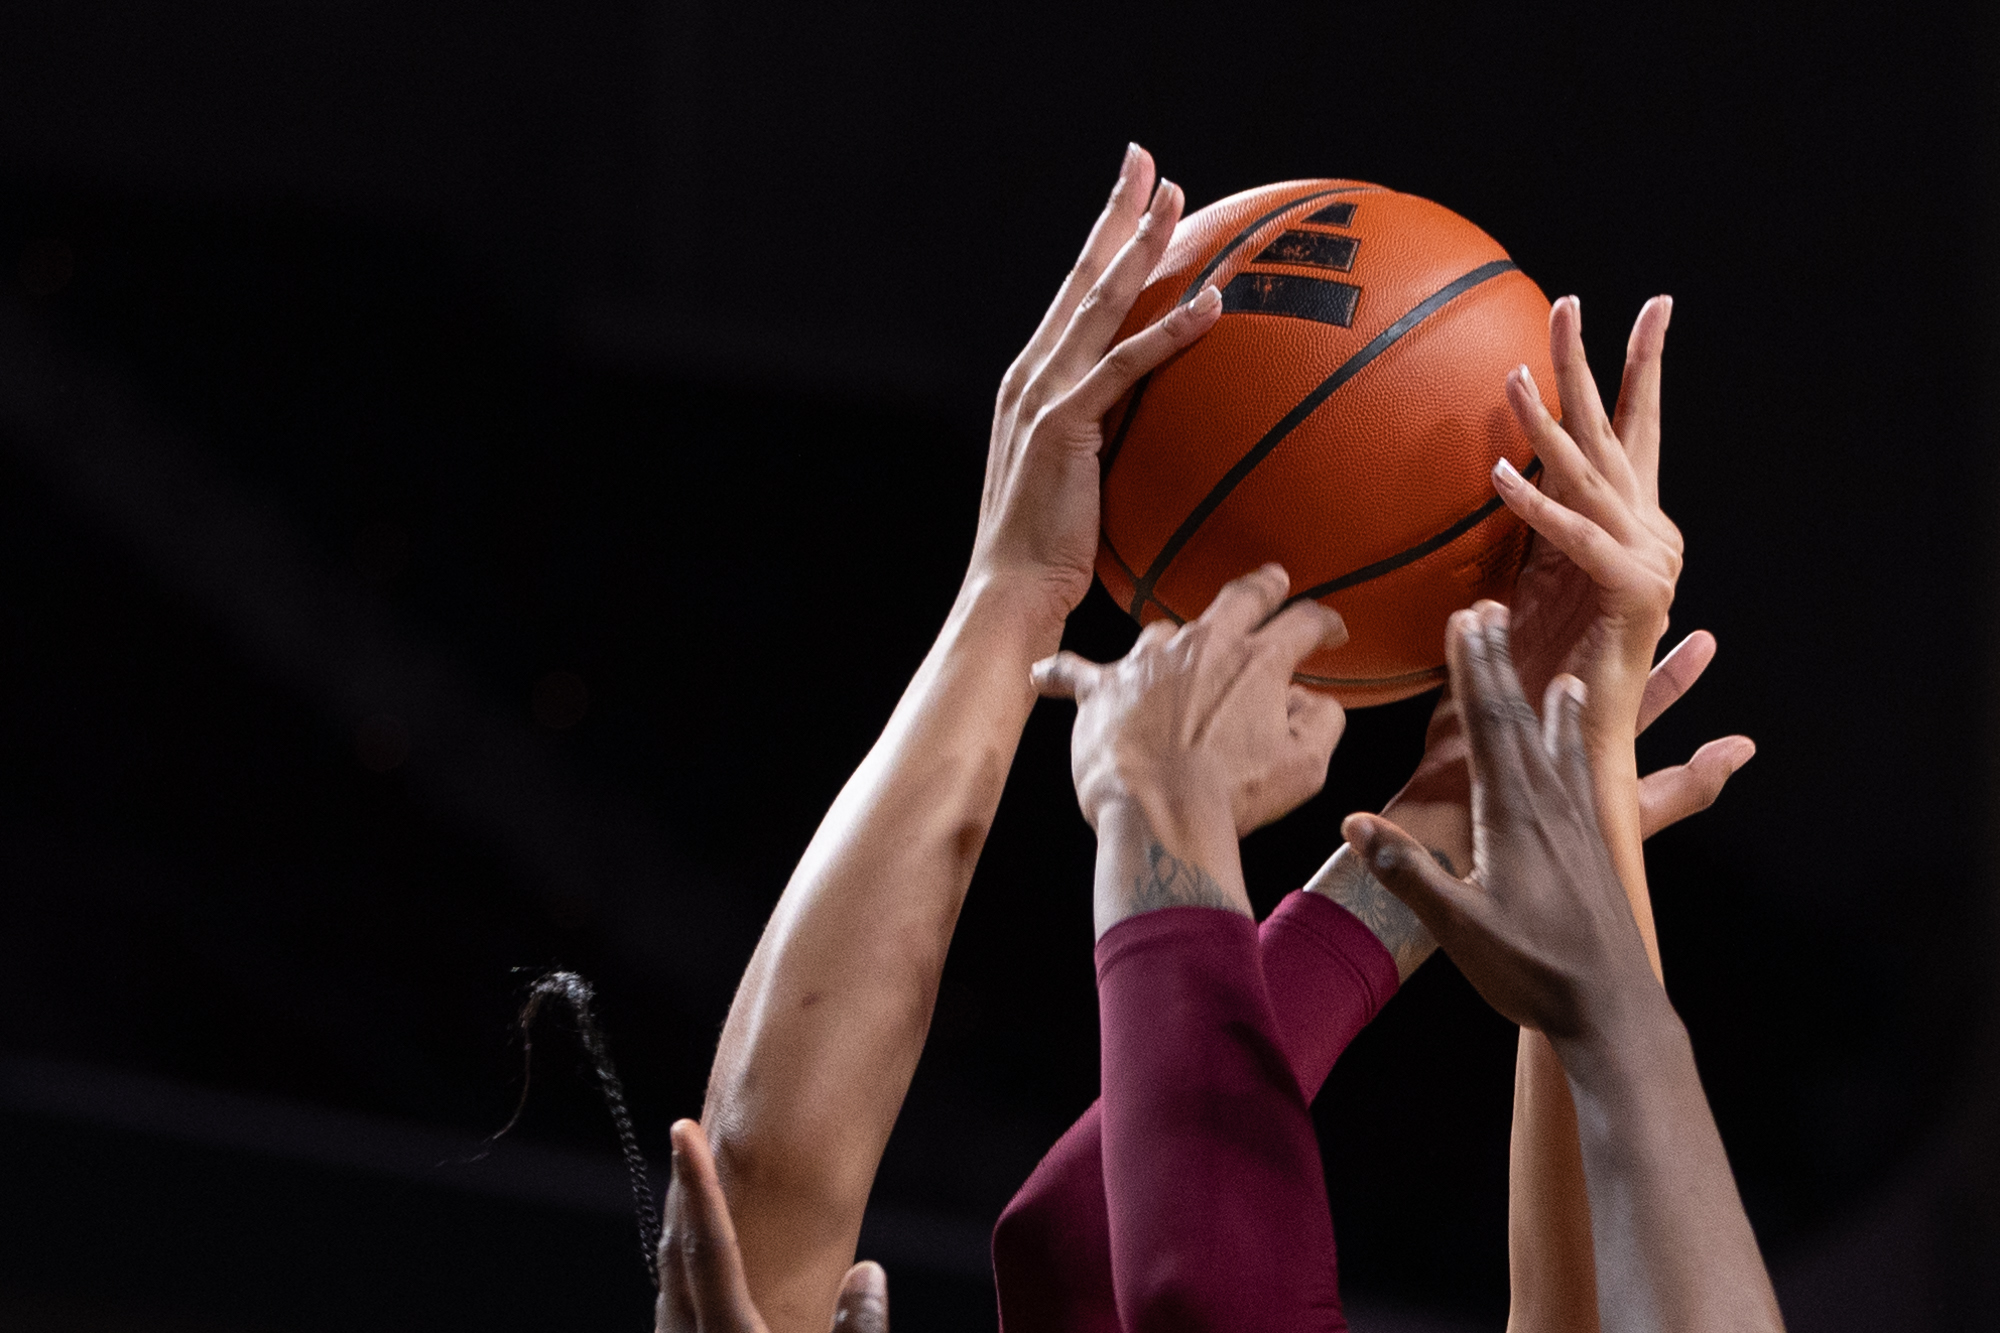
1214 1192
1164 849
830 1018
1674 1248
1551 1263
1444 826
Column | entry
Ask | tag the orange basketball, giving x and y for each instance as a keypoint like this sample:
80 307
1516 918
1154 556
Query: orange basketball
1342 417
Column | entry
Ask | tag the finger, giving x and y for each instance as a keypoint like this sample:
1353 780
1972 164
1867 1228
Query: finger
1572 478
1594 551
1114 226
1442 902
1097 317
713 1264
1141 354
1064 676
1501 727
863 1304
1638 418
674 1311
1468 674
1672 794
1583 410
1247 602
1317 721
1675 675
1300 630
1562 713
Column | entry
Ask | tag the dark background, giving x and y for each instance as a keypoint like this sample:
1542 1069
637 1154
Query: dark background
474 477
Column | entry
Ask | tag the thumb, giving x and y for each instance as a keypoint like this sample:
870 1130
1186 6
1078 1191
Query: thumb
1672 794
1674 676
706 1246
1405 868
1064 676
863 1306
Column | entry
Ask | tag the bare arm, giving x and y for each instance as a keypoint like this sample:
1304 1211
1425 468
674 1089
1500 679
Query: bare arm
1605 558
1544 929
1674 1248
845 975
831 1015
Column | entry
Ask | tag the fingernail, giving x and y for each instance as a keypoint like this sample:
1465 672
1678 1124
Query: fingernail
1207 299
1576 304
1505 474
1575 690
1131 156
1160 193
1527 378
1744 754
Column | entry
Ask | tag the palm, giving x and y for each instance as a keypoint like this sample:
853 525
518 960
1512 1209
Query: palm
1556 607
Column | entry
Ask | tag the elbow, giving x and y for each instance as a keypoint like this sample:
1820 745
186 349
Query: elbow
790 1176
1172 1299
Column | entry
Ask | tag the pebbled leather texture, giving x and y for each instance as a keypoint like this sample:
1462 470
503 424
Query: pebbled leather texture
1395 455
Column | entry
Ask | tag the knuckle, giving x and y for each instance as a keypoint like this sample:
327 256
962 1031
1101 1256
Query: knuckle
1501 713
1013 383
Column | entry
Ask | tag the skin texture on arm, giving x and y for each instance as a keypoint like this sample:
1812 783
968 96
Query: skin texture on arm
830 1018
702 1288
1544 930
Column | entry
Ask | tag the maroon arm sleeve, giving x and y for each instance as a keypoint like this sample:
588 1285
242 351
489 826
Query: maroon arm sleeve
1327 977
1212 1180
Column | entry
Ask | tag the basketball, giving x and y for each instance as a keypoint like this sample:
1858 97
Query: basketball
1342 418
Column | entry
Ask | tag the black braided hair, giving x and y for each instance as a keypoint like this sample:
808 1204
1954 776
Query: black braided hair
573 988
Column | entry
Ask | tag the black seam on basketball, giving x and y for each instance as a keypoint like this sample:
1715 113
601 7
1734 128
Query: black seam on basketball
1273 437
1110 454
1117 559
1413 553
1436 673
1236 241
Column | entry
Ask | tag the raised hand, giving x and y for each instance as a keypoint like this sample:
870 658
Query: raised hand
1541 927
702 1287
1666 796
1200 734
1208 707
1038 514
1601 568
830 1018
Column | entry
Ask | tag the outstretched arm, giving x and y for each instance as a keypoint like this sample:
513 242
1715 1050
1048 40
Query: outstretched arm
827 1025
1544 929
1606 560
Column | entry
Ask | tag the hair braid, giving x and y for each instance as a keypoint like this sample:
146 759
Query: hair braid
573 988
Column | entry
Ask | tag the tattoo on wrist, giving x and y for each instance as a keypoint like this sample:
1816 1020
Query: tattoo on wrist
1348 882
1169 881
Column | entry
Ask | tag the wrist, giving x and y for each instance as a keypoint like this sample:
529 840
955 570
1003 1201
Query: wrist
1035 601
1153 855
1187 810
1021 614
1629 1032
